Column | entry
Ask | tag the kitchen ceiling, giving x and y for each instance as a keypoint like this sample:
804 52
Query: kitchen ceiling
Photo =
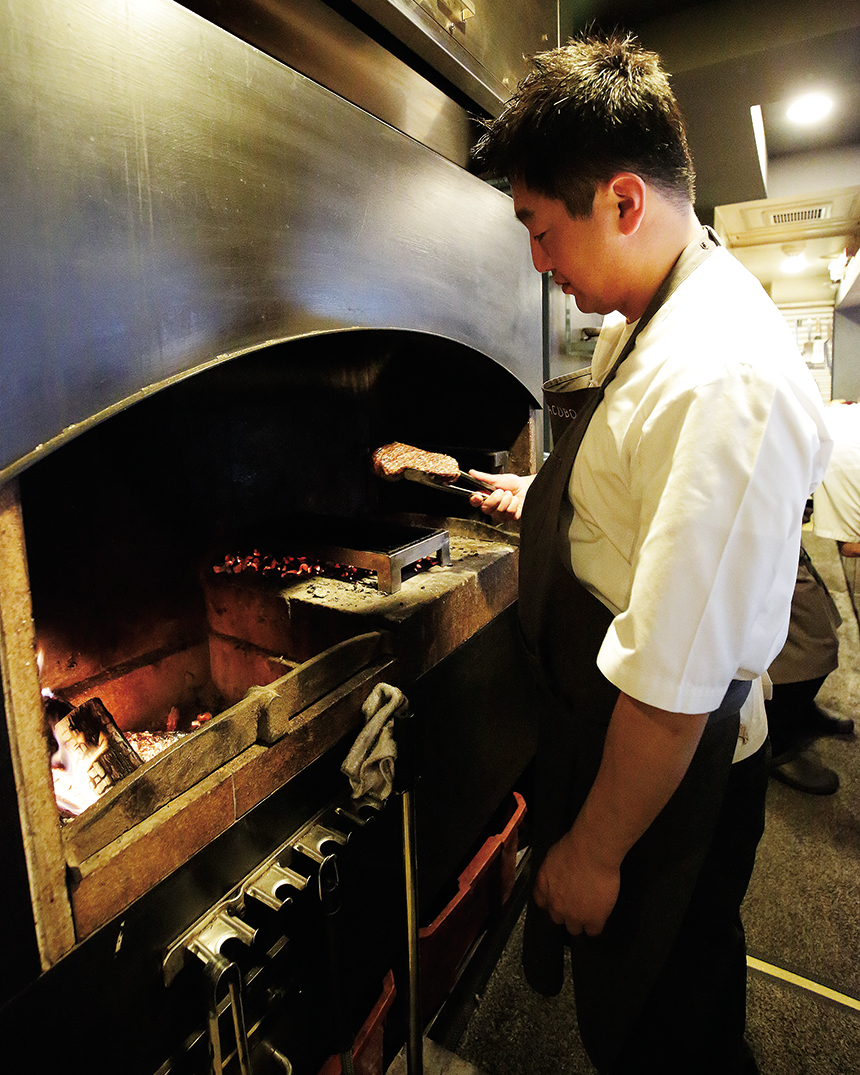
802 186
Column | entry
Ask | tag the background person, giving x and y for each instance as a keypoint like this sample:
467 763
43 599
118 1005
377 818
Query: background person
836 503
810 654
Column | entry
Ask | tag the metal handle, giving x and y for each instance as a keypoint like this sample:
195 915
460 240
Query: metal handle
406 776
206 945
218 968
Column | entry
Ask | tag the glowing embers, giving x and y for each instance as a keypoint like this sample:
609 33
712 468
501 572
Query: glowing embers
349 550
289 567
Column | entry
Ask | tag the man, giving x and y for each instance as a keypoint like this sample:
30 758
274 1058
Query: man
668 594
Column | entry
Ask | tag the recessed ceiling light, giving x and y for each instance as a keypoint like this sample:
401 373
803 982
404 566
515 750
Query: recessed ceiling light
795 258
809 108
793 265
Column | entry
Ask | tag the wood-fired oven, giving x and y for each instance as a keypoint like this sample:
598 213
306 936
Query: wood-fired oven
224 286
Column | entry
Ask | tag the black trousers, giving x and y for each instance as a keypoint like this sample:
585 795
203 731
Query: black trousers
791 714
695 1017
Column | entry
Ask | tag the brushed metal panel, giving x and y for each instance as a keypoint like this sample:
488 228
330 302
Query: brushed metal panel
172 197
310 37
484 55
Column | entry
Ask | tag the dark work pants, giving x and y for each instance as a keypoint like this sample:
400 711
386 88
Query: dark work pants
791 714
695 1017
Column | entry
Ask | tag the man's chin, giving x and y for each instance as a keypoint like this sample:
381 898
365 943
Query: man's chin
584 305
587 305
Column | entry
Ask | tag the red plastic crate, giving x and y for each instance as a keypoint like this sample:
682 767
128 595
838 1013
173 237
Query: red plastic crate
483 889
367 1047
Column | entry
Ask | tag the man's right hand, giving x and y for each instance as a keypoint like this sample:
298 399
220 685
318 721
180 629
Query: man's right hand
505 502
577 889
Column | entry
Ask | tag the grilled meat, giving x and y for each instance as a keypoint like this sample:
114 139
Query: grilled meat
391 460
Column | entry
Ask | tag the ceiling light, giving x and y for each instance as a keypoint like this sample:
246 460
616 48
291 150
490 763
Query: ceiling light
795 259
810 108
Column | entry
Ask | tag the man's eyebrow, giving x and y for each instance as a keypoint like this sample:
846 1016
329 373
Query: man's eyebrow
524 214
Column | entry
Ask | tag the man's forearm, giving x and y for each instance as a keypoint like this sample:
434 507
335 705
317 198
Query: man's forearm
645 756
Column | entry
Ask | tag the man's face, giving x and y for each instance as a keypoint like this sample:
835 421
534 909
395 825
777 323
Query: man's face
579 252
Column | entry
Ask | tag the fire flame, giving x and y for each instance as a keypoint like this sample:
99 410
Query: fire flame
78 781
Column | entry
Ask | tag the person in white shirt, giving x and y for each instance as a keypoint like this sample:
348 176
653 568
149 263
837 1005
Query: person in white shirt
656 572
811 651
836 503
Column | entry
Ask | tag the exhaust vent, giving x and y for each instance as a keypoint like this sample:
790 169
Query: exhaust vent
807 215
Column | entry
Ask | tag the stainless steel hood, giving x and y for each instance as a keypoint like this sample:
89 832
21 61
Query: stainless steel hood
172 197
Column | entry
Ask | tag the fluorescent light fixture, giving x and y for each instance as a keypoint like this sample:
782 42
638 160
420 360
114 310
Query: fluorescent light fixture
760 142
810 108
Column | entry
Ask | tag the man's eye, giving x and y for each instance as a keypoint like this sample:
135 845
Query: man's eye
539 238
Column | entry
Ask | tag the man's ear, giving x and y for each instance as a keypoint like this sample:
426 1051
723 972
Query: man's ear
629 195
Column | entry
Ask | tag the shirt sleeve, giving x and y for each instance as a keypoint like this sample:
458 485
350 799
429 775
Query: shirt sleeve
722 472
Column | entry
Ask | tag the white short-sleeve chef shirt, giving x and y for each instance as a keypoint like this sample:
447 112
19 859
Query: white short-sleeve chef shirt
689 488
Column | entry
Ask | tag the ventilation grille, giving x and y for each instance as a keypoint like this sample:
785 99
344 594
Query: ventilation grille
807 215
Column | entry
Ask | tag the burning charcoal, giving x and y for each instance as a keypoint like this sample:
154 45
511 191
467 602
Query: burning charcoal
54 709
92 753
287 567
149 745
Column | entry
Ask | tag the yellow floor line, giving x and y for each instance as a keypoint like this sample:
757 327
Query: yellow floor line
804 983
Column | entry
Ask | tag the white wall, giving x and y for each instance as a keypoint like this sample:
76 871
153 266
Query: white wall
811 173
846 354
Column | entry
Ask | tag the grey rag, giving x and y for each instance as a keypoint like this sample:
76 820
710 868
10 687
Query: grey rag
370 763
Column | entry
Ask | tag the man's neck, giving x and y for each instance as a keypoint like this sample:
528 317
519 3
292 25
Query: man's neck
658 245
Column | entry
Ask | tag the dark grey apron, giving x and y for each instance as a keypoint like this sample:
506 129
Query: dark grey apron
563 626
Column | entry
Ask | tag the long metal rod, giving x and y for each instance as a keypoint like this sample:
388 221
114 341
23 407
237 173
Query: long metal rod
415 1038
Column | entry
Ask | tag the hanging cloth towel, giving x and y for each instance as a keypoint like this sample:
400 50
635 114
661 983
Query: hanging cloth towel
370 763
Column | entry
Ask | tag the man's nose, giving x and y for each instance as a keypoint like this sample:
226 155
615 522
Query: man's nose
539 259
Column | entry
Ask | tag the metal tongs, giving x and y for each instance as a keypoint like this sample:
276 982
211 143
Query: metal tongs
449 487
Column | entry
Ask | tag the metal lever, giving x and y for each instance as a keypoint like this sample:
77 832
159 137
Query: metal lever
330 901
206 945
352 816
218 968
